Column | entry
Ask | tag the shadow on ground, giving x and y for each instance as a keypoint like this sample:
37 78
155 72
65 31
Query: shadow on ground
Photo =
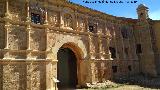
140 80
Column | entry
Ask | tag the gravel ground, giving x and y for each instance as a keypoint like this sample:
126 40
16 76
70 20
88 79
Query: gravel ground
138 82
131 87
124 87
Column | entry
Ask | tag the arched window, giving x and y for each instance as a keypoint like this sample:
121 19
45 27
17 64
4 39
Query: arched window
67 20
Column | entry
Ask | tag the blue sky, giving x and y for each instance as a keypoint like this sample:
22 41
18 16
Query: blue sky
124 9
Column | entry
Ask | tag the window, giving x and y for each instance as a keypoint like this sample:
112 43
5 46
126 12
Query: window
129 68
126 51
141 14
35 18
113 52
114 69
91 28
124 32
138 49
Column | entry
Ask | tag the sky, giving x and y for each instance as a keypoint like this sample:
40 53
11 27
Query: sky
123 9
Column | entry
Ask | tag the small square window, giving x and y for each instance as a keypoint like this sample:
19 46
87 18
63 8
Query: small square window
141 14
91 28
35 18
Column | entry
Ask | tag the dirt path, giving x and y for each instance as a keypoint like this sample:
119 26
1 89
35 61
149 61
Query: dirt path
131 87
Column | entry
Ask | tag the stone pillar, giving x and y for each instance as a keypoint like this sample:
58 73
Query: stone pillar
46 25
92 71
49 77
28 37
28 29
7 27
61 23
46 14
91 54
75 23
7 24
86 24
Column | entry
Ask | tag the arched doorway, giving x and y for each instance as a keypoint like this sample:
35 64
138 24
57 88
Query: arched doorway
67 68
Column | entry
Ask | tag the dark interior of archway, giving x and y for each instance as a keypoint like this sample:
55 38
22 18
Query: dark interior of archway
66 68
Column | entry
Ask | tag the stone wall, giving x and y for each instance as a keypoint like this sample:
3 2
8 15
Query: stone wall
63 25
156 32
104 70
17 38
22 75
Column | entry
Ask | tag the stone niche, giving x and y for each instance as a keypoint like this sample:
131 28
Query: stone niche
53 18
2 36
17 38
81 24
38 39
17 10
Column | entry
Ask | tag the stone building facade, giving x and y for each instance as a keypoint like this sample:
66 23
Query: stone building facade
44 40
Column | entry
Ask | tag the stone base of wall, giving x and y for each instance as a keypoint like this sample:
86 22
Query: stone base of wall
26 75
22 75
104 69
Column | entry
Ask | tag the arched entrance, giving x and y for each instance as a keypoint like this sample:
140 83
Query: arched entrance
67 68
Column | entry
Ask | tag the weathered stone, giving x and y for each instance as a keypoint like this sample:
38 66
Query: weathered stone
105 48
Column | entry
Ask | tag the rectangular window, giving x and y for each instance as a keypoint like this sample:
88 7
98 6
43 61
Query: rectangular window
114 69
113 52
91 29
124 33
129 68
35 18
126 51
138 49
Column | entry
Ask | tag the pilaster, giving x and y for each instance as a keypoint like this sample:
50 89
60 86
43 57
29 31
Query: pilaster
61 23
28 28
7 24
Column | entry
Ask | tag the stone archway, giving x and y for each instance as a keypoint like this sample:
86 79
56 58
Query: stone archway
68 66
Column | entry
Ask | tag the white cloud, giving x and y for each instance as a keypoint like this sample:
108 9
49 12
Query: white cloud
155 15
